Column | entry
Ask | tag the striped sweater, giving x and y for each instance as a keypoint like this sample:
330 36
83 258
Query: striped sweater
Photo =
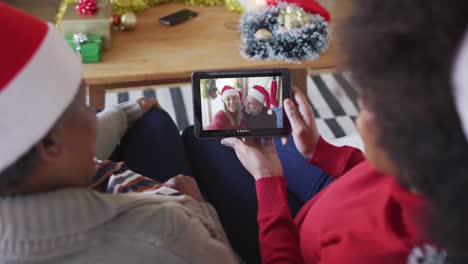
123 218
117 178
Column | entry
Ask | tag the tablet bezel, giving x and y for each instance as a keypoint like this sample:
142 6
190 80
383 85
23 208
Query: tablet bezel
268 132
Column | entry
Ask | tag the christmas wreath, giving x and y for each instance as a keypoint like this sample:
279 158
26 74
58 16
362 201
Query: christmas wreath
283 32
209 89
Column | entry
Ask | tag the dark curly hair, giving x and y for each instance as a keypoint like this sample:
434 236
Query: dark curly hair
401 53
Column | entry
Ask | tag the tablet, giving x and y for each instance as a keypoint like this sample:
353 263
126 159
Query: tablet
241 103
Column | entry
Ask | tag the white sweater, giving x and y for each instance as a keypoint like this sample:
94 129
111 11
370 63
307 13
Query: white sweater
85 226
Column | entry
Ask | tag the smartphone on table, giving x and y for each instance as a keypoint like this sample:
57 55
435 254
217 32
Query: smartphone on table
178 17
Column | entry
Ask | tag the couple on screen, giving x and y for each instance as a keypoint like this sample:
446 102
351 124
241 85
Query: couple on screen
255 114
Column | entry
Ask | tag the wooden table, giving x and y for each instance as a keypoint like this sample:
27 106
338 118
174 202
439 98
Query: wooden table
157 54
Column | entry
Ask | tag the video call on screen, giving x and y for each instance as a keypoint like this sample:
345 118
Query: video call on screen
242 103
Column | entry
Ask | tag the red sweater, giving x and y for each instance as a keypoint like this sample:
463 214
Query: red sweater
221 122
364 216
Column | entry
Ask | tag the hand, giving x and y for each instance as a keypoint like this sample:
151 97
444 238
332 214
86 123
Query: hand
186 185
304 129
147 104
261 160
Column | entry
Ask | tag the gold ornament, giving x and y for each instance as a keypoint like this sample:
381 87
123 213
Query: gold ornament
128 21
123 6
293 17
263 33
234 5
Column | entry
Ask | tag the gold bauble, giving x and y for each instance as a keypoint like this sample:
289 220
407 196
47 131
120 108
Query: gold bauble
293 17
128 21
263 33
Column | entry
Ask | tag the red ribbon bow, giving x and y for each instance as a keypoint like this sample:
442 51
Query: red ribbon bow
87 7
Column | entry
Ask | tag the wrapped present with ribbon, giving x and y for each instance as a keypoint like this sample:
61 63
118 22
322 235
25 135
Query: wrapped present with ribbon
88 46
98 24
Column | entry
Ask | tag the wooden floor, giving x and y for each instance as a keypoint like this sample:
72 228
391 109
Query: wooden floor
44 9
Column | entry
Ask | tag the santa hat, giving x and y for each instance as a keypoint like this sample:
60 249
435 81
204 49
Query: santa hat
311 6
39 77
273 93
228 91
460 88
261 94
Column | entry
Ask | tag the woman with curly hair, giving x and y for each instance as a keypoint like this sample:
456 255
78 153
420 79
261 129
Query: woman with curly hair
405 200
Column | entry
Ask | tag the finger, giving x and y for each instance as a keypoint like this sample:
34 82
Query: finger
269 144
170 183
155 103
304 108
191 180
295 90
231 142
143 104
173 180
151 101
293 114
284 141
252 141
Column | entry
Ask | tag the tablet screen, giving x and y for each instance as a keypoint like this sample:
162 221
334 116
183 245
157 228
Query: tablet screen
241 103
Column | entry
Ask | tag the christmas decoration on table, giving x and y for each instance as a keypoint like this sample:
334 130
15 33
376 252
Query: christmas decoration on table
209 89
87 7
115 20
294 31
127 21
263 33
245 5
234 5
123 6
88 46
98 24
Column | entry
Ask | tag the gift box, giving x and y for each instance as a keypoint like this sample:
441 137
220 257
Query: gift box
98 24
89 46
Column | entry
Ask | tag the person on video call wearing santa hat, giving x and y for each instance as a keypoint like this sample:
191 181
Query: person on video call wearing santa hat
49 138
231 117
257 109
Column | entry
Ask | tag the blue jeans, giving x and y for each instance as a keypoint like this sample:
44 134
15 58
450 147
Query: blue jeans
154 148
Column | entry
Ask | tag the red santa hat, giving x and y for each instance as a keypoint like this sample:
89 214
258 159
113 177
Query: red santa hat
273 93
261 94
229 91
460 87
311 6
39 77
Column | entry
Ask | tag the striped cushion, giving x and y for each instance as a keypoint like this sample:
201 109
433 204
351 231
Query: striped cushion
333 96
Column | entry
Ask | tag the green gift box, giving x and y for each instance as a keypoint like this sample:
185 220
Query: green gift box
98 24
90 49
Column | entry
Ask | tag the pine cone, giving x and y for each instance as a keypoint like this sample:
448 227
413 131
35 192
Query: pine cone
87 7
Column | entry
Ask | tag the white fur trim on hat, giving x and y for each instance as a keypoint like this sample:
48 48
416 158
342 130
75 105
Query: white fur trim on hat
230 92
37 96
257 95
460 80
